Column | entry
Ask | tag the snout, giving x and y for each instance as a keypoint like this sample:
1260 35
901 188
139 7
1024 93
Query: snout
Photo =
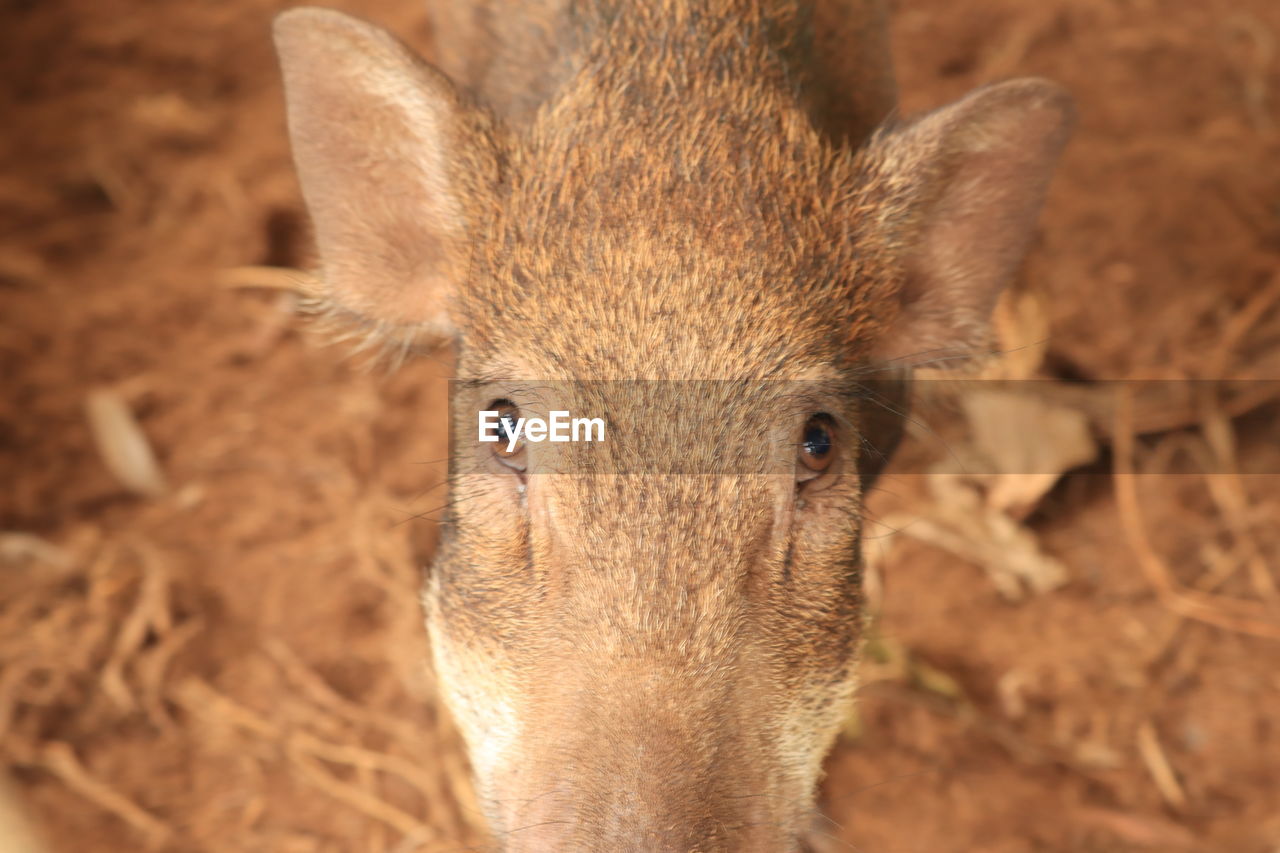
664 819
668 673
555 839
659 774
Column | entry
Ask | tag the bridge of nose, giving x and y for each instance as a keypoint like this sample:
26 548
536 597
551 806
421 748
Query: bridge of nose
654 730
654 540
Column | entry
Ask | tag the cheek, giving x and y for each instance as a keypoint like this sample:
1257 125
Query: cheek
813 721
478 698
474 606
820 611
827 569
490 505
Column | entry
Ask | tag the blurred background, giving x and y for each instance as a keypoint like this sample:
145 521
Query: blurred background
213 522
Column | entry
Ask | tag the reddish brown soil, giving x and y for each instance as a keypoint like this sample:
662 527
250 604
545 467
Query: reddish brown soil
238 664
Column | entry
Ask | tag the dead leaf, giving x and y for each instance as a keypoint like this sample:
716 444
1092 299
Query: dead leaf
1162 773
1024 444
122 444
16 834
170 116
18 548
1008 551
1021 321
1018 446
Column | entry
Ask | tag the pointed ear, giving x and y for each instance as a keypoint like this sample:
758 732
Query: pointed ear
395 170
957 192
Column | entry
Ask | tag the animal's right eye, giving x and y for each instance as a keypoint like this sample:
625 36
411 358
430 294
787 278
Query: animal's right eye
817 451
817 443
508 453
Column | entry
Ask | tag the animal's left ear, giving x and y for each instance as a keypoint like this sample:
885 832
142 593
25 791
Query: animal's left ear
953 197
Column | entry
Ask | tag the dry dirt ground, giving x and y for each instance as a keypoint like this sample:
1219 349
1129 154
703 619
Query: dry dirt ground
228 655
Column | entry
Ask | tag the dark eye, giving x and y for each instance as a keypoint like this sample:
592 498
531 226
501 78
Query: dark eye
510 455
817 443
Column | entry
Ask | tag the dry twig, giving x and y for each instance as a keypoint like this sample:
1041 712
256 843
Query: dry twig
1158 766
59 759
1246 617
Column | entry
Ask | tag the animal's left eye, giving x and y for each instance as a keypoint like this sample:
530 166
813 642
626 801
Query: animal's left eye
817 445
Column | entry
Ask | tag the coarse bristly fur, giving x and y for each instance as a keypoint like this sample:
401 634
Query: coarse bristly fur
708 206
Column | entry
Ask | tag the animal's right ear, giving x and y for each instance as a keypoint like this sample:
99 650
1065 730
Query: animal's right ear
953 198
396 170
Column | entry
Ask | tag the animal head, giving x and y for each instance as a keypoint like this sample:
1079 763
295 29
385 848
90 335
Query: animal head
650 643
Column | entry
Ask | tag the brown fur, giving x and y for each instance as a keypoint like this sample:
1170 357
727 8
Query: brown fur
656 190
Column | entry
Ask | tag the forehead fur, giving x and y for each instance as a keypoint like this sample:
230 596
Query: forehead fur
680 196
